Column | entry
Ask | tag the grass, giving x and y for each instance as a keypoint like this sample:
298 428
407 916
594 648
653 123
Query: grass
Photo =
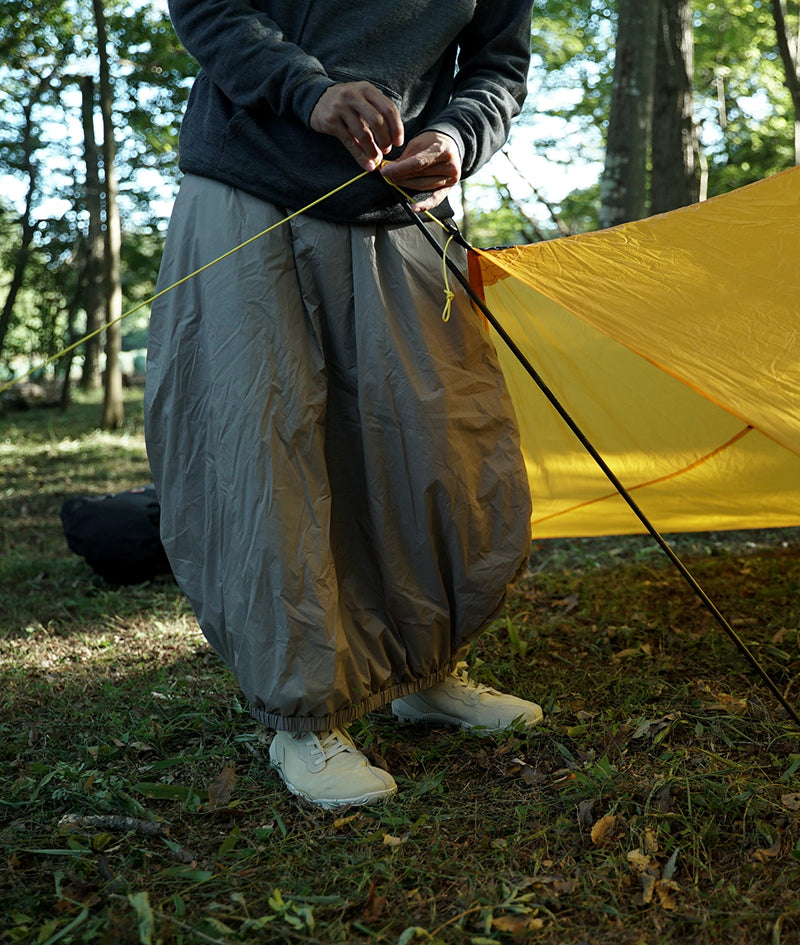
659 802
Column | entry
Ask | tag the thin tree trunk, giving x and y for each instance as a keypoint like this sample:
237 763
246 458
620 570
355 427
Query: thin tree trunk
94 297
26 222
623 189
674 178
71 335
791 67
113 410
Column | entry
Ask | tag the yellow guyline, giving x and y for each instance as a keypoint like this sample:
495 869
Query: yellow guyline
445 314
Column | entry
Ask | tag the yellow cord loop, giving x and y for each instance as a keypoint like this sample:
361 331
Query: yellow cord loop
448 293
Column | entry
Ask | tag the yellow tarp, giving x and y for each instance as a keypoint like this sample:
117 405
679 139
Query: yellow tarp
674 342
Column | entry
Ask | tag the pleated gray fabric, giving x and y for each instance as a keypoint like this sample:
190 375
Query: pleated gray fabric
343 497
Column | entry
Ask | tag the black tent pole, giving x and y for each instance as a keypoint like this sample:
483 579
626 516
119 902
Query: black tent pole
589 447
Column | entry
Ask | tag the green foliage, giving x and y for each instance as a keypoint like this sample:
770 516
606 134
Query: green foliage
736 63
743 105
572 45
41 150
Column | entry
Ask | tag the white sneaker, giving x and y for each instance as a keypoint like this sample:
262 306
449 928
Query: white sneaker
327 769
460 701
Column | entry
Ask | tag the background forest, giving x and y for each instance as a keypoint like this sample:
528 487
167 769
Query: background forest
646 104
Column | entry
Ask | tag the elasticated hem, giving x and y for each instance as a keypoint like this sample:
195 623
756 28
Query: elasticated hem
345 717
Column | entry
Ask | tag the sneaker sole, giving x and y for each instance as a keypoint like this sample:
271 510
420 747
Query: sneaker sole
434 718
333 803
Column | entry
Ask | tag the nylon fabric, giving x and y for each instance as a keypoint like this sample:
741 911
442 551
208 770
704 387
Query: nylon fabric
343 495
673 342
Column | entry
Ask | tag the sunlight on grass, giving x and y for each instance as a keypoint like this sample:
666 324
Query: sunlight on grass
658 804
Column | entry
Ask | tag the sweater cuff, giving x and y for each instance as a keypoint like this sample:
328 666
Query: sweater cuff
307 93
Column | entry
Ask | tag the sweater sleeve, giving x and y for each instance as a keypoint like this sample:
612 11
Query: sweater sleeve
491 81
245 54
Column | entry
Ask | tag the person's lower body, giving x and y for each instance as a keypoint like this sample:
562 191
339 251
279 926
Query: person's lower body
343 497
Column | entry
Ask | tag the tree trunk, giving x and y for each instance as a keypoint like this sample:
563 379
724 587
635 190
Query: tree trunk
113 410
623 188
26 222
71 336
674 178
791 67
94 296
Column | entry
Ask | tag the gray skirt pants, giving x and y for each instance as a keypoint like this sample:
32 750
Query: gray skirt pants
343 497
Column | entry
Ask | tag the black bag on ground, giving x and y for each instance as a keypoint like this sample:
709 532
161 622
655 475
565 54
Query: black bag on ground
117 534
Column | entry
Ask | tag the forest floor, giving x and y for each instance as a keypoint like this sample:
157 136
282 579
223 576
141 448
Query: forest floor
658 803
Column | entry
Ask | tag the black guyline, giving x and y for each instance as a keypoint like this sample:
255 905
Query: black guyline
589 447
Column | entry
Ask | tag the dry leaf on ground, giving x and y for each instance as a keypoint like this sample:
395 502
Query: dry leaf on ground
221 788
767 853
516 925
391 841
603 828
791 801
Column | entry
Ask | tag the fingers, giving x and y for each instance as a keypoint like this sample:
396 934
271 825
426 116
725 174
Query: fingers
431 162
366 122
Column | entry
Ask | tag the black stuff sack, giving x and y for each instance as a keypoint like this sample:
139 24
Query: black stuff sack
117 534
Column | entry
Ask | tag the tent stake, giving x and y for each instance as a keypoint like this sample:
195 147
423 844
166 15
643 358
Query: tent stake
589 447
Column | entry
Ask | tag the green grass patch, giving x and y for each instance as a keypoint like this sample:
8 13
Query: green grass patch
659 802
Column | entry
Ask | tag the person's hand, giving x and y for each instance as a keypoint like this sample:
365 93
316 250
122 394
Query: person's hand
430 162
366 122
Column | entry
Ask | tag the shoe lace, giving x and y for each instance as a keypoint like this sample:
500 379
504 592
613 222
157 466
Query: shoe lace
461 673
331 743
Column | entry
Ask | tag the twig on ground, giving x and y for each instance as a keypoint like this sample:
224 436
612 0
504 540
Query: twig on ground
114 823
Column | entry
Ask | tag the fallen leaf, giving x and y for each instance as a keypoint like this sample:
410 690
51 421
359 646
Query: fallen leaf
650 841
768 853
221 788
603 828
639 861
563 887
662 801
648 884
791 801
568 603
390 841
516 925
652 727
378 761
585 815
646 870
665 888
375 905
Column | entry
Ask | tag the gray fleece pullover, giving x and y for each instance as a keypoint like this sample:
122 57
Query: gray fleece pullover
456 66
